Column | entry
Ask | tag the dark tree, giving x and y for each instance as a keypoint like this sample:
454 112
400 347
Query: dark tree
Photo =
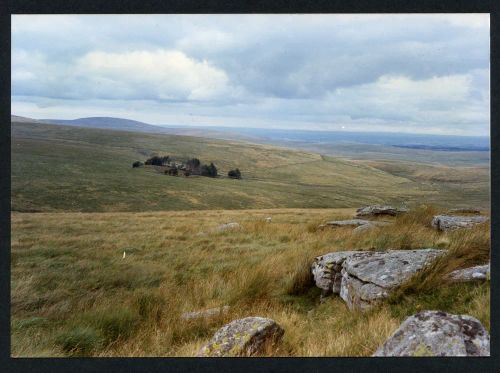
136 164
157 161
210 171
234 174
193 166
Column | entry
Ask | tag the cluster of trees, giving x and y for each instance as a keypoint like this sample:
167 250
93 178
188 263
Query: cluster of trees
234 174
157 161
192 167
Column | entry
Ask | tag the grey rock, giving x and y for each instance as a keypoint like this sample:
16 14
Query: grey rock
447 222
363 228
361 278
353 223
205 314
375 210
367 277
243 337
228 227
326 271
436 333
476 273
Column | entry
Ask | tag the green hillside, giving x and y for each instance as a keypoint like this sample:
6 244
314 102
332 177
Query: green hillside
60 168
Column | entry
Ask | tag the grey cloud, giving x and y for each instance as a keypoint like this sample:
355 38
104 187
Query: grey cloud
290 68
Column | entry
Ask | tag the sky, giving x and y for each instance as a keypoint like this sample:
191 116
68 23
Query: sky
427 73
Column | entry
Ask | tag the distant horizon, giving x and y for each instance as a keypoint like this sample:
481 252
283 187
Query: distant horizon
198 126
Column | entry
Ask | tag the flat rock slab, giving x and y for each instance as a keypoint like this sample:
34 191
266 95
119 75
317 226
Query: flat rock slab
436 333
352 223
476 273
363 277
375 210
370 276
205 314
243 337
448 222
364 228
228 227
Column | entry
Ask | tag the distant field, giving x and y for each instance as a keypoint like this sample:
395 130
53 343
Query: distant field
60 168
384 152
74 294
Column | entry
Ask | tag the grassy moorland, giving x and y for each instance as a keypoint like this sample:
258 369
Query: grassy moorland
61 168
73 293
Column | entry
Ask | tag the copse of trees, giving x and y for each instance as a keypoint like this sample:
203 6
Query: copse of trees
234 174
157 161
193 166
210 171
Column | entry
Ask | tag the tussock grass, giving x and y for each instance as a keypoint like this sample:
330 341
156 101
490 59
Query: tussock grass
74 295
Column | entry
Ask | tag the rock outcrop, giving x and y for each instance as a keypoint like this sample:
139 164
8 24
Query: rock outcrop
436 333
370 276
448 222
477 273
243 337
364 277
379 210
205 314
326 271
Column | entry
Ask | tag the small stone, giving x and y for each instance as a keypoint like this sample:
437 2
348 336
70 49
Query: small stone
228 227
205 314
477 273
243 337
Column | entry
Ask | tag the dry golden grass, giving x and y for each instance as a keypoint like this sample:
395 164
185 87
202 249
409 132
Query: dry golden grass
74 294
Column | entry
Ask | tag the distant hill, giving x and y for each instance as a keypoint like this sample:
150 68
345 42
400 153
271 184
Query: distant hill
19 119
460 150
121 124
109 123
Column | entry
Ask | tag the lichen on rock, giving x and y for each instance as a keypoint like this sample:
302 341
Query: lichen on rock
243 337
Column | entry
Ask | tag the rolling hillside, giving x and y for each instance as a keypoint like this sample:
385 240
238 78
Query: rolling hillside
62 168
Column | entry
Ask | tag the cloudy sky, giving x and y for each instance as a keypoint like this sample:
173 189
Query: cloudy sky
397 73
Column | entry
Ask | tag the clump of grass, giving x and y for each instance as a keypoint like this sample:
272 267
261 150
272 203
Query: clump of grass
149 305
301 279
419 215
79 341
31 322
114 324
